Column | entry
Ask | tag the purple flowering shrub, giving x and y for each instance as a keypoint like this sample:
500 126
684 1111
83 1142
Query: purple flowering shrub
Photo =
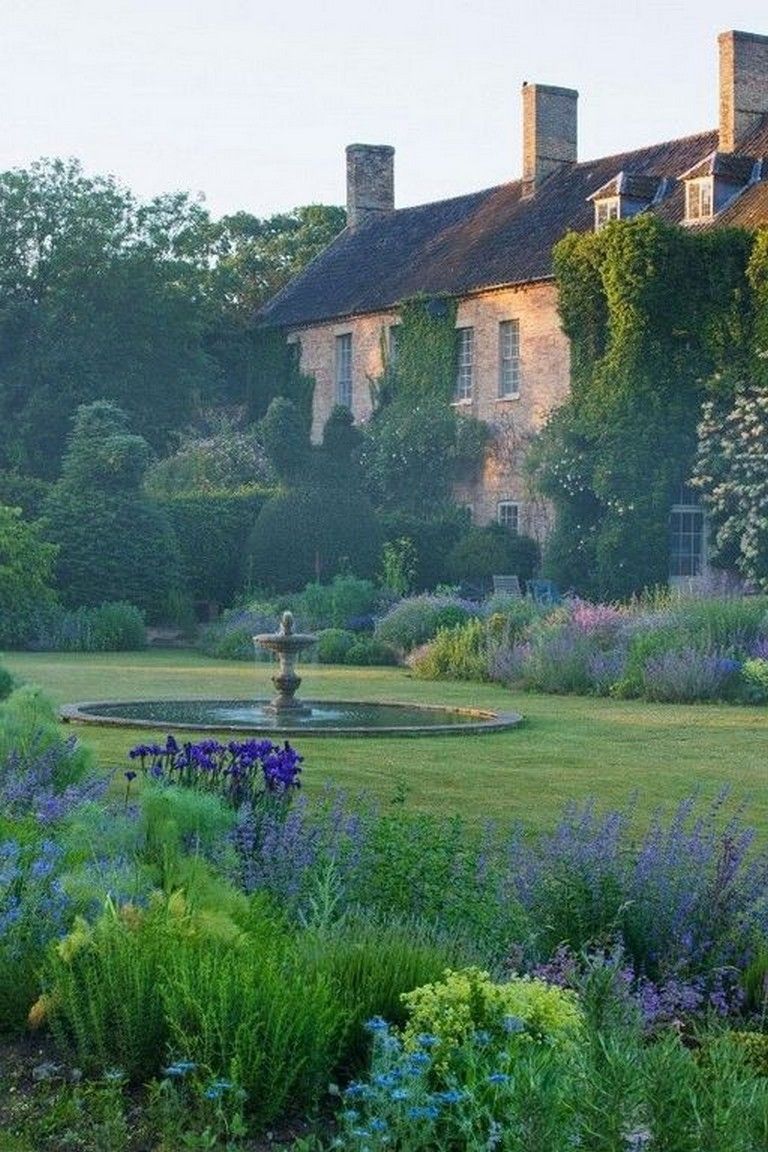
240 772
688 675
681 652
41 776
683 898
611 992
34 910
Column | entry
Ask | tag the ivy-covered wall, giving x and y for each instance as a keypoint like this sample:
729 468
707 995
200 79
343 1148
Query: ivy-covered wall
653 313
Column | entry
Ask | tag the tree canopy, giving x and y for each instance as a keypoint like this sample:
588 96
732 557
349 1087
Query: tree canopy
147 305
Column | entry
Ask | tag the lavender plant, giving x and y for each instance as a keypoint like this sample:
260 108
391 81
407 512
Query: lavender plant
34 910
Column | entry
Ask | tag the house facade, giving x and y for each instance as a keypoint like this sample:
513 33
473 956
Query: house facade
491 251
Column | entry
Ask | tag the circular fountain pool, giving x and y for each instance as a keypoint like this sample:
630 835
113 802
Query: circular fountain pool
315 718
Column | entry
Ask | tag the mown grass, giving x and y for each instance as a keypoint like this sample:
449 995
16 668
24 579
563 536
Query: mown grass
568 748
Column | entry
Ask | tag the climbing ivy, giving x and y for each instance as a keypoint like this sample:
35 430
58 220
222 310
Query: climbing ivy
652 312
416 445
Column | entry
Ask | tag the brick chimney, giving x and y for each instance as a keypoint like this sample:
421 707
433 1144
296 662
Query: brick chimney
549 132
370 182
743 85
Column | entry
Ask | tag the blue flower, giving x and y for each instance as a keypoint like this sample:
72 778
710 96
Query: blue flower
377 1024
427 1040
512 1024
356 1089
449 1096
498 1078
180 1068
399 1094
419 1059
424 1112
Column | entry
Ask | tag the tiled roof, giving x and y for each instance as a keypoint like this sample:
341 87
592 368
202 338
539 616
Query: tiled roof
492 238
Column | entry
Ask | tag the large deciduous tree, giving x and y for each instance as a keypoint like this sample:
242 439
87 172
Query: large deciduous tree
99 296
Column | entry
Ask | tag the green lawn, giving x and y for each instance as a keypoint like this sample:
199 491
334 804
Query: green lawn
569 747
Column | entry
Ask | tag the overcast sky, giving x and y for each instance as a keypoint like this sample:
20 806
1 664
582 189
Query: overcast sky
252 103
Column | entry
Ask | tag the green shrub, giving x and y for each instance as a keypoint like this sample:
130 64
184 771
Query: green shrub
418 619
755 1048
714 624
367 651
456 654
105 982
333 645
754 681
231 636
29 727
6 683
467 1001
493 550
26 573
211 528
310 532
116 627
334 605
257 1015
370 962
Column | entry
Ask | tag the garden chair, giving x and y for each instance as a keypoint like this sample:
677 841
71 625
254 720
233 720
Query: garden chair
510 585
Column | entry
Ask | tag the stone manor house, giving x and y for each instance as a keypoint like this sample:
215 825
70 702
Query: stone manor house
492 252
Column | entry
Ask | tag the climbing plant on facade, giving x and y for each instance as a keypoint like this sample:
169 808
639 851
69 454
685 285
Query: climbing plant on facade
416 442
652 312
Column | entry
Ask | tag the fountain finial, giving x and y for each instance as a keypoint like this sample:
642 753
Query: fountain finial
286 624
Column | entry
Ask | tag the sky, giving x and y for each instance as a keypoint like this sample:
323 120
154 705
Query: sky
251 104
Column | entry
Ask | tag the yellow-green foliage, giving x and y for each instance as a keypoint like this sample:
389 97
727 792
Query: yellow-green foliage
755 1047
455 654
466 1002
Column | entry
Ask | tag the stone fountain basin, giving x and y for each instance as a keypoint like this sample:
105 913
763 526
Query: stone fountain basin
322 718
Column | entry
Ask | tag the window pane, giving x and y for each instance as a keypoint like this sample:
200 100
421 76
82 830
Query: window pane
509 358
465 364
686 537
344 370
508 515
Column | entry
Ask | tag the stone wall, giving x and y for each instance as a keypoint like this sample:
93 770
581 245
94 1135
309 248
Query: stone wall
544 382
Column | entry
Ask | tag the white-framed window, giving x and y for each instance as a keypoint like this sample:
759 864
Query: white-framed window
508 515
699 199
509 358
687 535
605 211
465 363
344 370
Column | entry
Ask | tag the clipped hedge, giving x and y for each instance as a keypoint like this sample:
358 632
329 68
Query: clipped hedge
113 546
311 532
212 528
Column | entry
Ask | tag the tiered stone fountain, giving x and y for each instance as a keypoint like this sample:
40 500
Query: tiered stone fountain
287 645
287 715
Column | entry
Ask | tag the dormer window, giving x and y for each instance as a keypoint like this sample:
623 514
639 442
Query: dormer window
714 182
605 211
625 195
699 199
